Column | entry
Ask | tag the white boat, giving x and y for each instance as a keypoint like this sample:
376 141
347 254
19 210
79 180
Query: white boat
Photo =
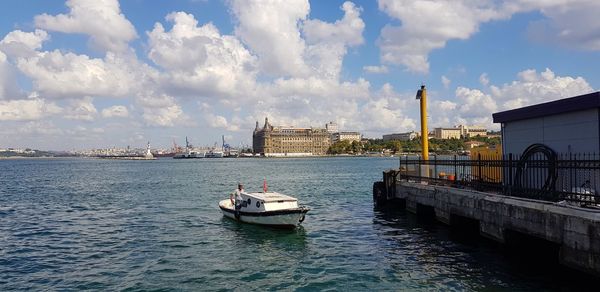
189 154
214 154
271 208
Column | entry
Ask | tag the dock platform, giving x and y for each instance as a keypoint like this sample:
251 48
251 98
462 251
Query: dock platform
575 230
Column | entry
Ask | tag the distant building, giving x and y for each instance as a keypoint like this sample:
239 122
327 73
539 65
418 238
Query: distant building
401 136
346 136
337 135
289 141
331 127
472 131
447 133
459 131
473 144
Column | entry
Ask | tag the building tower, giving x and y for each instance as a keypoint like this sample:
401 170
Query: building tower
148 153
331 127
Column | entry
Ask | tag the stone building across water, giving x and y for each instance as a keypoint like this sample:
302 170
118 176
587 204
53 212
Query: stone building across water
289 141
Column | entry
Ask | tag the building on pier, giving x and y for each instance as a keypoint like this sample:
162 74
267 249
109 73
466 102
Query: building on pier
570 125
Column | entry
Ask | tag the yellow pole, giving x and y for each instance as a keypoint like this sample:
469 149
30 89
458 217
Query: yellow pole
424 132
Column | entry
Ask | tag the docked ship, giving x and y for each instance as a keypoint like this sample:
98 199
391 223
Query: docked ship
189 153
214 154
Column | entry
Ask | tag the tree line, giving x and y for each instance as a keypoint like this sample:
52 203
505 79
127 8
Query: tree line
441 146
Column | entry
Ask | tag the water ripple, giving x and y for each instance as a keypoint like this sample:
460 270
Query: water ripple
78 224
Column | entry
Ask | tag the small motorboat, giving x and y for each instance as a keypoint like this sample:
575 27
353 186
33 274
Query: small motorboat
267 208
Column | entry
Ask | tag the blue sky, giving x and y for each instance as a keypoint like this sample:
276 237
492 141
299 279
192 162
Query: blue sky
84 74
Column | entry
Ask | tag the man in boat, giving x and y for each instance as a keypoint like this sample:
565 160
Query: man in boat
236 197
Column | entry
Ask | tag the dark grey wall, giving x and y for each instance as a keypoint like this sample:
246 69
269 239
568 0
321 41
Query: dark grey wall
576 132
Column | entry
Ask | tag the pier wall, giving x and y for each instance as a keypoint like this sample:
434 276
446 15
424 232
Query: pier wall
576 230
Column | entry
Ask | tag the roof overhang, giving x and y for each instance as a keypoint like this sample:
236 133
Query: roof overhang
577 103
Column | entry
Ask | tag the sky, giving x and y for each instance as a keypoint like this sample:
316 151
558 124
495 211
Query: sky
81 74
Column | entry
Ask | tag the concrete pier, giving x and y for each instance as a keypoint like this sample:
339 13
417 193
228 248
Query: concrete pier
575 230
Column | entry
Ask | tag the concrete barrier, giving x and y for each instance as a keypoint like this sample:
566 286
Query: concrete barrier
576 230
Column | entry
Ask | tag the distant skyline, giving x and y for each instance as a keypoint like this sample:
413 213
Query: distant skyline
82 74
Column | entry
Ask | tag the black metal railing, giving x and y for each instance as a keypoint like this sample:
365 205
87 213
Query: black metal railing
572 178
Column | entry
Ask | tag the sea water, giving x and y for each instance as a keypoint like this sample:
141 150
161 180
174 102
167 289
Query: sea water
91 224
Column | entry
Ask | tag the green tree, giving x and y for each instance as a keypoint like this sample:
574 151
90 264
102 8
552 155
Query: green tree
339 147
356 147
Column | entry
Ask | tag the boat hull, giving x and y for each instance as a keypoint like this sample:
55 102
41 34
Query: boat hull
286 218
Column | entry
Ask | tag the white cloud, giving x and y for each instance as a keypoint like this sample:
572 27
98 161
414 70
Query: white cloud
328 42
200 61
271 30
216 121
376 69
429 25
37 128
382 111
220 122
445 81
8 81
23 44
383 118
484 79
163 116
470 107
102 20
426 26
160 110
81 109
305 102
26 109
117 111
474 103
533 88
59 75
315 88
348 30
529 75
475 106
447 105
569 23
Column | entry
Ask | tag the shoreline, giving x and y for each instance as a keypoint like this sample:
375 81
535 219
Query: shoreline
33 157
166 158
239 157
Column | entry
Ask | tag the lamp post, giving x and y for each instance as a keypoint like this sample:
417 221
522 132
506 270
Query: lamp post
422 95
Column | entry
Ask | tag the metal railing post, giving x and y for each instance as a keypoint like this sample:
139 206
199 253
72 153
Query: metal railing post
419 171
479 173
510 174
455 171
435 175
399 162
571 166
406 162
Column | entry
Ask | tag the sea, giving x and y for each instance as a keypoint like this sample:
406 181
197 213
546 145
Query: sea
73 224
